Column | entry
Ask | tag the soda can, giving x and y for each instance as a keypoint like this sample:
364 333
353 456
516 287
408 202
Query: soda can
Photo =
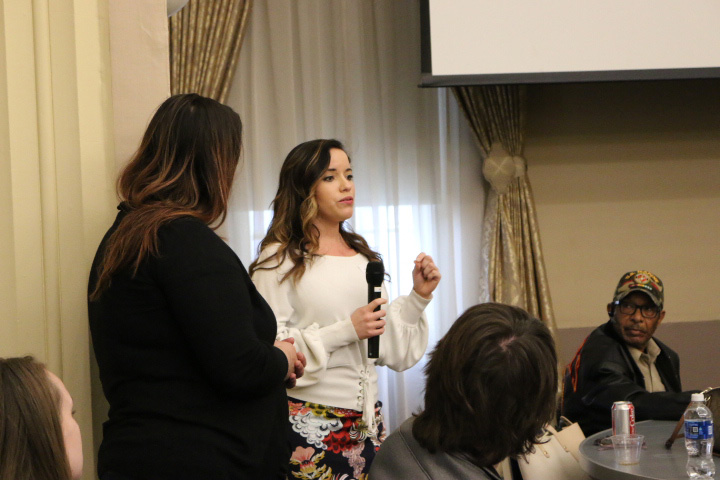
623 418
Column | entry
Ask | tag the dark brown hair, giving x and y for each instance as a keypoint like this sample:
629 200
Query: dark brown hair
492 382
184 167
295 208
32 446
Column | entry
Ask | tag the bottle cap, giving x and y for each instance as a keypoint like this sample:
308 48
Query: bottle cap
697 397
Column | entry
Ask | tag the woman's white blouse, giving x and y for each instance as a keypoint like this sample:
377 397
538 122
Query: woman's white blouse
316 312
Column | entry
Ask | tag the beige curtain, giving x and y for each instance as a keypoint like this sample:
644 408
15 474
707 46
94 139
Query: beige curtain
56 184
205 40
513 268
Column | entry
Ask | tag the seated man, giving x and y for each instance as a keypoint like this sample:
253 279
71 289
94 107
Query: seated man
621 360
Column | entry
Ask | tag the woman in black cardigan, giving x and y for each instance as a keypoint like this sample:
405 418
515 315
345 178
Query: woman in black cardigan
185 344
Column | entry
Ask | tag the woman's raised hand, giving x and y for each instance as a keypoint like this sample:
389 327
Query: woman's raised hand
426 275
368 323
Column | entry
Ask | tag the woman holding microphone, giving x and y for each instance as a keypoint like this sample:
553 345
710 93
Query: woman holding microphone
311 270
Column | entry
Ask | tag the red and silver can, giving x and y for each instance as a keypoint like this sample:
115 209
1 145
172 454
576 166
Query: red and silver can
623 418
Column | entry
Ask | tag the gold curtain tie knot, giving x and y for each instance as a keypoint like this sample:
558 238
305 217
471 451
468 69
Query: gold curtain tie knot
500 168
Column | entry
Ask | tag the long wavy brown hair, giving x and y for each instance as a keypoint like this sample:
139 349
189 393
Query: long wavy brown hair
184 167
32 445
295 209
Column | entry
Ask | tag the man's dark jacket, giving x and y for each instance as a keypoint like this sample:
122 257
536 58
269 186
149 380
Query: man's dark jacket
603 371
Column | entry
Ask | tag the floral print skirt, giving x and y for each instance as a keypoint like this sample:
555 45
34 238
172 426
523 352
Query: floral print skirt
330 443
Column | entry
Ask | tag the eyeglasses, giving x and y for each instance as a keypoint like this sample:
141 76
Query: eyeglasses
647 311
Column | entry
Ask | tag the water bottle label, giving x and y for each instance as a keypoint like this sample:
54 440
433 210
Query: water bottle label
698 429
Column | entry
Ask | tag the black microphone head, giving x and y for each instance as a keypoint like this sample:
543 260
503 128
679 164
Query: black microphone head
375 273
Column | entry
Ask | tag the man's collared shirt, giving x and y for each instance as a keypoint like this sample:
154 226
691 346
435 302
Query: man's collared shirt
646 363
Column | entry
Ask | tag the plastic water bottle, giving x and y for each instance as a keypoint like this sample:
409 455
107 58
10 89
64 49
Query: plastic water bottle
699 438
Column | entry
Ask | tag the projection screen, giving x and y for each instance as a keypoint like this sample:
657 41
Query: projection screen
469 42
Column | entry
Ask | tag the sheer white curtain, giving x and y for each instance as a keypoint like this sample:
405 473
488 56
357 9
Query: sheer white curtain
349 70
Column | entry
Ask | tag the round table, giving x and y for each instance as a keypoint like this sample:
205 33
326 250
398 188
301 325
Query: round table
656 462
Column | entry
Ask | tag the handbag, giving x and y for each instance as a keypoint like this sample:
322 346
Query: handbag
556 456
712 401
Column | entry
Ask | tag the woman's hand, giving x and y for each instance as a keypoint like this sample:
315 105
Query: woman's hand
296 361
368 323
426 276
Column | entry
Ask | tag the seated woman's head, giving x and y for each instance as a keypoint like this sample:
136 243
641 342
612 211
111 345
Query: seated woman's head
39 438
491 385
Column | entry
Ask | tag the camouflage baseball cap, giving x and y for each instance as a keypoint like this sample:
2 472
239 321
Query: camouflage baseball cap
640 281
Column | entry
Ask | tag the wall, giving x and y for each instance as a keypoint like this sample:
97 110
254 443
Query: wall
627 176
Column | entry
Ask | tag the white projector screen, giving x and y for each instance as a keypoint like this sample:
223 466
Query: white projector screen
467 42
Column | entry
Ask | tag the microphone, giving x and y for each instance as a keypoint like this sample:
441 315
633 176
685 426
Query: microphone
374 274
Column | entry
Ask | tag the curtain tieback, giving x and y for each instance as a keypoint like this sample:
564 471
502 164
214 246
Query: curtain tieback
500 168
